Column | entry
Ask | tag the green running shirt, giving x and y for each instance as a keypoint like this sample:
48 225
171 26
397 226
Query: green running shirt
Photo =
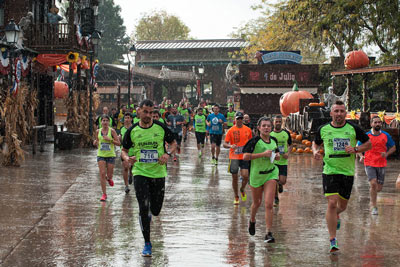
123 132
284 141
200 123
230 117
105 148
335 139
148 146
261 169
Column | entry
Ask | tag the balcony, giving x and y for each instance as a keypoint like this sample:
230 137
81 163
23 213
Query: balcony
55 39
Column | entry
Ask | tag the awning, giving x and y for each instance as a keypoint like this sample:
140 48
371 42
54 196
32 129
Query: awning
274 90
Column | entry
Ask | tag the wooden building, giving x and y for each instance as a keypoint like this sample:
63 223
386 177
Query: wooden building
188 55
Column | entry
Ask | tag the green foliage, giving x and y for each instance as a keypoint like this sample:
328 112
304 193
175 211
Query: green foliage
159 25
113 42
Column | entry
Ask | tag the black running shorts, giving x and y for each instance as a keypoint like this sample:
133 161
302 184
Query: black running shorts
337 184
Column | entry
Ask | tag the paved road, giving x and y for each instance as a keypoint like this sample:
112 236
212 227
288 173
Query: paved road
51 216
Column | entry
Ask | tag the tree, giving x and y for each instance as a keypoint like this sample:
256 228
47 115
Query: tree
114 41
158 25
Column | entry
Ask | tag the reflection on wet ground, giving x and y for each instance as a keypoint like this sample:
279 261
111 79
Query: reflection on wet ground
51 216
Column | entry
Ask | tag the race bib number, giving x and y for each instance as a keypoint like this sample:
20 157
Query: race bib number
148 156
199 121
339 144
281 149
215 128
105 146
239 150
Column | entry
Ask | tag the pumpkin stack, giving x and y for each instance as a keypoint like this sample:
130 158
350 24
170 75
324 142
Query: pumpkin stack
300 145
290 101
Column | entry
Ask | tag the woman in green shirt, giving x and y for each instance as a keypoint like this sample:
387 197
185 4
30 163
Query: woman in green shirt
106 139
261 151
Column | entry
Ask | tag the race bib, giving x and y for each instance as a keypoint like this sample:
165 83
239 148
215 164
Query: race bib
148 156
281 149
215 128
239 150
339 144
199 121
105 146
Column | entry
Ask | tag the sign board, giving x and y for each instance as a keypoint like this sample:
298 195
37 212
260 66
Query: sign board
281 57
278 75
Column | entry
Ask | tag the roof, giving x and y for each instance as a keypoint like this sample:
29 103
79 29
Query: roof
374 69
274 90
192 44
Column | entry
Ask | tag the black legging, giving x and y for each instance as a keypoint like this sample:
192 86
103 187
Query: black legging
150 196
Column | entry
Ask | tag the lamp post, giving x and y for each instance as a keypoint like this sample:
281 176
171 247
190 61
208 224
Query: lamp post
12 34
201 72
95 38
131 53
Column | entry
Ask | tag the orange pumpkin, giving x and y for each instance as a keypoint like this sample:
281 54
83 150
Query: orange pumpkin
294 149
307 150
300 150
321 151
304 141
308 143
314 104
289 102
322 104
61 89
356 59
299 137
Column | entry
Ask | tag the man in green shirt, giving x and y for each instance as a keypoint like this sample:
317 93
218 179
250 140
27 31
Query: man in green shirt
148 138
199 124
339 139
230 117
284 146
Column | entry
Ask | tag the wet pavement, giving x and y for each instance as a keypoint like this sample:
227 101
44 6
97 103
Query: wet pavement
51 216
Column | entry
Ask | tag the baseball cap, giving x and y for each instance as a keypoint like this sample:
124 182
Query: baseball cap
239 115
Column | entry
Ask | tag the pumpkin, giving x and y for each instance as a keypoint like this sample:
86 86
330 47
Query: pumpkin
322 104
304 141
314 104
294 149
321 151
300 150
307 150
289 102
299 137
308 143
356 59
61 89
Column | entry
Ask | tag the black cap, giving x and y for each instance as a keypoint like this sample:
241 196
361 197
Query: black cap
239 115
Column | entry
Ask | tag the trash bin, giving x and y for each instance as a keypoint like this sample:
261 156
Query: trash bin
67 140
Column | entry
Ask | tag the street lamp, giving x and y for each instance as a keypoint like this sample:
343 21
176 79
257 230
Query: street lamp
132 53
12 32
95 39
201 72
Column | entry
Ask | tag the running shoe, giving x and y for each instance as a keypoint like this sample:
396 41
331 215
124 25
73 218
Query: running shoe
333 245
147 250
252 228
199 154
374 211
175 158
127 190
276 202
269 238
236 201
216 161
103 197
243 195
280 188
110 182
338 223
212 161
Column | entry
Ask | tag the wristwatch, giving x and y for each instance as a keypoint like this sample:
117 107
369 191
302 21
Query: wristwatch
169 153
356 149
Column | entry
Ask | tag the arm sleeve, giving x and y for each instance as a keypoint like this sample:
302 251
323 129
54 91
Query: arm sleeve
390 143
228 136
208 118
168 137
276 143
289 141
360 134
127 142
250 145
317 138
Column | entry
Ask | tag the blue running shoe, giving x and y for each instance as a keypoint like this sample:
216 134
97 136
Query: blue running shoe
333 245
147 250
338 223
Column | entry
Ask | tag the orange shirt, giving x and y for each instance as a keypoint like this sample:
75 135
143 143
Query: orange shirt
239 137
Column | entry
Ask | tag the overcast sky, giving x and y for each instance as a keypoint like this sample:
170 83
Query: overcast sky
206 19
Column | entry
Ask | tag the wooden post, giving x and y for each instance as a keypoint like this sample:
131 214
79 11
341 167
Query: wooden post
348 86
364 93
398 92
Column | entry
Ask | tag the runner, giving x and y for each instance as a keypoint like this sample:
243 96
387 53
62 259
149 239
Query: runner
261 151
99 118
284 145
157 116
375 160
216 122
235 139
148 138
185 112
106 139
120 118
199 124
175 121
126 173
339 139
230 116
248 123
